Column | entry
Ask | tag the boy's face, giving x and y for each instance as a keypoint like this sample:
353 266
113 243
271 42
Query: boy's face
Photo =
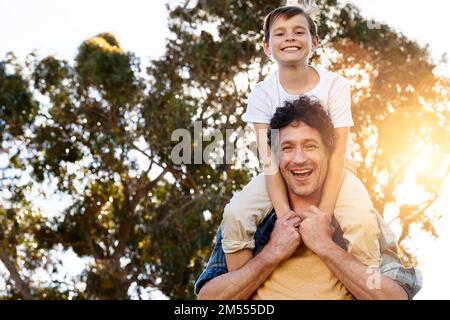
290 40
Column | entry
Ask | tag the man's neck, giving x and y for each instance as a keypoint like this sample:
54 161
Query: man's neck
300 203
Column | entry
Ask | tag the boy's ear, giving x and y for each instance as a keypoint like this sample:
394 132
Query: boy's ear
315 42
266 49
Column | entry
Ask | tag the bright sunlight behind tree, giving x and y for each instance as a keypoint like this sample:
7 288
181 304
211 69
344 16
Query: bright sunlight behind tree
149 223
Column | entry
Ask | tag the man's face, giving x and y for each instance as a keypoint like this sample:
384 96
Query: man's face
303 159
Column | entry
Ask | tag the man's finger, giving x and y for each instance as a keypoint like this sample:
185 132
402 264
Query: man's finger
293 215
289 215
299 214
314 209
295 221
307 213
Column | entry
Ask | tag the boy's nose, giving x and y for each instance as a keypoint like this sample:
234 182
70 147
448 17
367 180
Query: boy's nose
290 36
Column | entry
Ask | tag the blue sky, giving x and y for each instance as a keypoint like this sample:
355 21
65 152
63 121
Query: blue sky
59 27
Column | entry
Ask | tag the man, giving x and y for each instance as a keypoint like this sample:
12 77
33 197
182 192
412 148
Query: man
301 260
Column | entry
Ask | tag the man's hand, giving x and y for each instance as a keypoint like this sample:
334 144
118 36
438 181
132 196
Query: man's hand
285 237
316 229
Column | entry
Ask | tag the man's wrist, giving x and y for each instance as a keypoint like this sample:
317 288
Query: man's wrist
327 209
327 249
269 257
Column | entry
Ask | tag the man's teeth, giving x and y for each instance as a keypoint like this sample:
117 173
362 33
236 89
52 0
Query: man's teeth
302 172
291 49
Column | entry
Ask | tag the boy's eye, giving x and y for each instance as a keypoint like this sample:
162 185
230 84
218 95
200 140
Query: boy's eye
300 32
278 34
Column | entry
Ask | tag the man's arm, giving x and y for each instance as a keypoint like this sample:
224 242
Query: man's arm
363 282
243 282
359 279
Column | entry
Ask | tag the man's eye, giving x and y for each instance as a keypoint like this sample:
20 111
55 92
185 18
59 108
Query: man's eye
286 149
311 147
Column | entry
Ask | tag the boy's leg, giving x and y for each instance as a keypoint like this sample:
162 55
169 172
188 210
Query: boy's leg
357 218
243 214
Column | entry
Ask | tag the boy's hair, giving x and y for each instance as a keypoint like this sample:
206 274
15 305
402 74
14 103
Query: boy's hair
288 12
306 110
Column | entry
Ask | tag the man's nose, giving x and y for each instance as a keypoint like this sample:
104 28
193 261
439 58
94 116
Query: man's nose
300 156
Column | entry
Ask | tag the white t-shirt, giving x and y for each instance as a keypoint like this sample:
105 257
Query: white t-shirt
333 92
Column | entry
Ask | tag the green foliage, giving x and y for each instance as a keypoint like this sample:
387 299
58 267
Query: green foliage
102 64
17 106
103 134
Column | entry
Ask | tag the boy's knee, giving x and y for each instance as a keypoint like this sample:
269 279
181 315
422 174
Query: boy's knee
231 212
367 223
362 233
236 224
362 221
236 232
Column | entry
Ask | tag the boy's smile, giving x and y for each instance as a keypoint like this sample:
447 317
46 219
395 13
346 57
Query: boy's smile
291 49
290 40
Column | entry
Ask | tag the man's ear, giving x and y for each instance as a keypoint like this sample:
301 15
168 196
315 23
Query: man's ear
266 49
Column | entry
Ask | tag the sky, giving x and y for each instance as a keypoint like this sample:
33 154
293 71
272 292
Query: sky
58 27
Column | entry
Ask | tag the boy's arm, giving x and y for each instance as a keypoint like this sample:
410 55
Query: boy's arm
335 175
275 187
274 181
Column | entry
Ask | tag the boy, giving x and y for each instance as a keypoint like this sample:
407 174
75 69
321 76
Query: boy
290 36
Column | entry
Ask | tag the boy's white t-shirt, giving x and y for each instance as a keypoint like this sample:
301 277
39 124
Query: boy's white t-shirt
333 92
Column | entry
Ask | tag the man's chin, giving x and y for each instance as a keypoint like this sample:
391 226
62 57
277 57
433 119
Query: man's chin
301 191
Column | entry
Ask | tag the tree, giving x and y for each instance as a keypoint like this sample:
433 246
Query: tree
102 131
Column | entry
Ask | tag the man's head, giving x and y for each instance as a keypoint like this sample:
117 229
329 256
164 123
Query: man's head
304 144
290 34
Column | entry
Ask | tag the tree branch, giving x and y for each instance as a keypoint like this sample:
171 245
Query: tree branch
21 287
142 151
130 208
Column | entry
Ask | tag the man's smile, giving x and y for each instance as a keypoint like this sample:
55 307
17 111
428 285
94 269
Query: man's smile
301 174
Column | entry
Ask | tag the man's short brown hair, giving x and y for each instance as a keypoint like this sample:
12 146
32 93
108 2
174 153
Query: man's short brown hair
306 110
